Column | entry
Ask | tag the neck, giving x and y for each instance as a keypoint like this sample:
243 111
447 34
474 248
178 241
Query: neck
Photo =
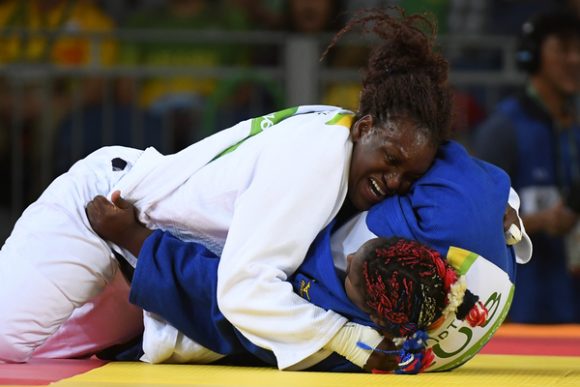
554 101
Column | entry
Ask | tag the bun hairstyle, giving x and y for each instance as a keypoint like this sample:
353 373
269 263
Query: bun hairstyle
411 288
404 76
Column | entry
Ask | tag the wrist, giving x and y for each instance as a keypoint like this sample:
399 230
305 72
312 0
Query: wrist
346 340
134 239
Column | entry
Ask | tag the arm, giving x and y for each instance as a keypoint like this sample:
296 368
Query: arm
116 221
174 279
177 280
496 142
298 186
557 220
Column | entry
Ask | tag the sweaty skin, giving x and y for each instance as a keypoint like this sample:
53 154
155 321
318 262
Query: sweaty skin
386 160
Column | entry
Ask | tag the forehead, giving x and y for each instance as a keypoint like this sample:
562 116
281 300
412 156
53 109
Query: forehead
402 127
404 138
565 41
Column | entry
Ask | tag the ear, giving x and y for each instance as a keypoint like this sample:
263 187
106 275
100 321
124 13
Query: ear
362 126
349 258
376 320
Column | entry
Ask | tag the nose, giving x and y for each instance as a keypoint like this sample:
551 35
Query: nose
397 184
393 181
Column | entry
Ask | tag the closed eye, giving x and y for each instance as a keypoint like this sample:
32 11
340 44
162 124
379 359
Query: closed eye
391 160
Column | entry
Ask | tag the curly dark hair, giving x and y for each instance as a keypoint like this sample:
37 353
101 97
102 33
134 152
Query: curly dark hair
404 76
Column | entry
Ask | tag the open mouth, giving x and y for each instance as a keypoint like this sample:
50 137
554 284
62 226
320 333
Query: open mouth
376 188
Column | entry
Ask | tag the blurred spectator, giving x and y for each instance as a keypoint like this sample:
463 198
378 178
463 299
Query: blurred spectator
181 99
345 93
535 137
467 114
507 16
114 120
440 9
50 32
37 36
257 14
44 32
314 16
574 6
247 93
467 17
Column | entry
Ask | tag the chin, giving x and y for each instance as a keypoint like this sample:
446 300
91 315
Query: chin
362 205
356 201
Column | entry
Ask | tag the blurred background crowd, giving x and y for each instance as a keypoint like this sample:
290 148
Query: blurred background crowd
76 75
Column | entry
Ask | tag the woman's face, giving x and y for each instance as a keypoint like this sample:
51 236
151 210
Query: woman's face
354 283
354 280
560 64
386 160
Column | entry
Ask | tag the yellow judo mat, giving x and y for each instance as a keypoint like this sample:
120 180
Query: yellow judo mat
518 355
482 371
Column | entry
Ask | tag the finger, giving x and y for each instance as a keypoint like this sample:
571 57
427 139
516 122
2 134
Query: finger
89 209
510 217
99 197
119 201
115 196
92 210
101 201
513 235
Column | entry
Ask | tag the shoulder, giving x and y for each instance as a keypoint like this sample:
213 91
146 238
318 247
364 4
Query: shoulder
499 128
325 129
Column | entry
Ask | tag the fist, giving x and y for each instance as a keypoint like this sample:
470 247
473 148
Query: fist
115 220
380 362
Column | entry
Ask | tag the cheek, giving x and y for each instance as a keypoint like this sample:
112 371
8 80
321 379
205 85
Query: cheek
554 66
422 161
358 164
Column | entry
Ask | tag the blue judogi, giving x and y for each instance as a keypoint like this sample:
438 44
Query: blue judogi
178 281
460 202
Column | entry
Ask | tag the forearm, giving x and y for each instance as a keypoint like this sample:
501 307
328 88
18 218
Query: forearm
135 240
346 343
556 221
269 237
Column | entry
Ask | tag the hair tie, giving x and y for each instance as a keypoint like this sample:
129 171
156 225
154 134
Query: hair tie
455 297
414 356
477 316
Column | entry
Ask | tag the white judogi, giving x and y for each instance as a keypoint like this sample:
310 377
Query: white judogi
53 263
237 205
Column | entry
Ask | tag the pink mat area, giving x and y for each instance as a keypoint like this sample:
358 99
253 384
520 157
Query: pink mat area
533 346
45 371
541 340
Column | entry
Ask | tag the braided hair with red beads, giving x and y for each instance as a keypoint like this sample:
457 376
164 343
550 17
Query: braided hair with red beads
409 288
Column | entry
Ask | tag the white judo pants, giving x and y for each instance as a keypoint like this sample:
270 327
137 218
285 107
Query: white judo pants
61 293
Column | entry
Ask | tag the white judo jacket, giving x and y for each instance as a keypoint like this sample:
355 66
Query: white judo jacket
259 207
